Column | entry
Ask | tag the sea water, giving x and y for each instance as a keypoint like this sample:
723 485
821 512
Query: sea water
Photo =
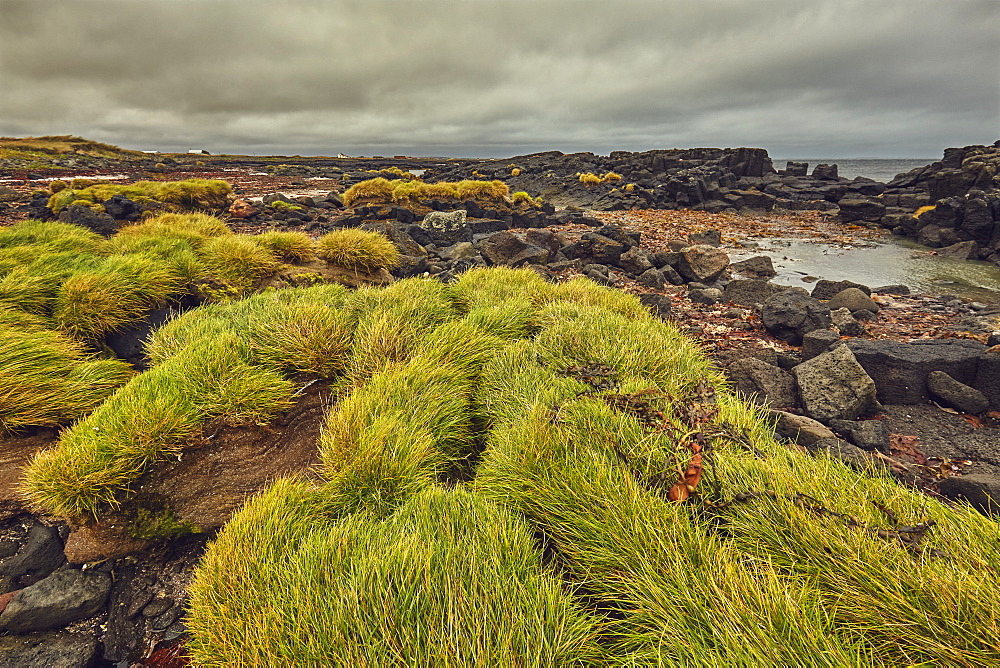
879 169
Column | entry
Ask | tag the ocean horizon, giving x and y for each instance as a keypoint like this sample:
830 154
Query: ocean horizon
879 169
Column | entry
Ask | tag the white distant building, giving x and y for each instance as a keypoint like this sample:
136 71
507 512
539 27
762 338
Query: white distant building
198 151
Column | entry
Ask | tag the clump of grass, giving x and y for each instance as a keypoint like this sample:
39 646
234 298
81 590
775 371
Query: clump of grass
302 338
280 205
203 194
515 171
419 587
119 291
241 261
49 380
153 416
358 249
51 237
924 209
394 172
289 246
521 197
390 323
591 179
194 228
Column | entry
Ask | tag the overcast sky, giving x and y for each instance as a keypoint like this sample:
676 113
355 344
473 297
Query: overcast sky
802 78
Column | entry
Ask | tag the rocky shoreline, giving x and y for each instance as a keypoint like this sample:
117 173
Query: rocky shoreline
841 367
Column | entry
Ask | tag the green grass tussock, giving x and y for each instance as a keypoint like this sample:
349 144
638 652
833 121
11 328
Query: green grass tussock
120 290
194 228
358 249
151 417
449 579
48 379
289 246
238 260
225 361
50 237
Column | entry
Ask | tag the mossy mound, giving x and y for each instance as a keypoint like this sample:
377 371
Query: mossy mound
191 194
521 473
43 152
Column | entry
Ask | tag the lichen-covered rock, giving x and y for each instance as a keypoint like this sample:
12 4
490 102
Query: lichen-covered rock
441 221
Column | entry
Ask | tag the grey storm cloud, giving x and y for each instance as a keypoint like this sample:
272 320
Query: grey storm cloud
478 77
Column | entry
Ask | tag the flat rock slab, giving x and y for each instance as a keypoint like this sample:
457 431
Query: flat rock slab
900 370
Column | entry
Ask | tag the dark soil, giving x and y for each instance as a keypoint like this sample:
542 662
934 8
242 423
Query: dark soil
15 452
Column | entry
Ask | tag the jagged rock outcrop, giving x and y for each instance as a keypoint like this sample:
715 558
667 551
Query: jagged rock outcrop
963 189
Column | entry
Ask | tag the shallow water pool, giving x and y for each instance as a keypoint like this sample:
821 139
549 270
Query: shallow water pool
891 261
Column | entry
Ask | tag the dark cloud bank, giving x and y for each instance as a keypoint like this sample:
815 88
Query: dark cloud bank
838 78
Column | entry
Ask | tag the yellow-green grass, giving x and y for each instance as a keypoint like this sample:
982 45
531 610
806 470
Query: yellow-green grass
194 228
779 558
204 194
48 378
119 291
389 323
51 237
241 261
449 579
289 246
154 415
590 179
814 589
521 197
357 249
384 191
255 313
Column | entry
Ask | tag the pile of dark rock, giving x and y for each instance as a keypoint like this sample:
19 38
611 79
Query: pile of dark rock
705 179
825 395
964 190
55 613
